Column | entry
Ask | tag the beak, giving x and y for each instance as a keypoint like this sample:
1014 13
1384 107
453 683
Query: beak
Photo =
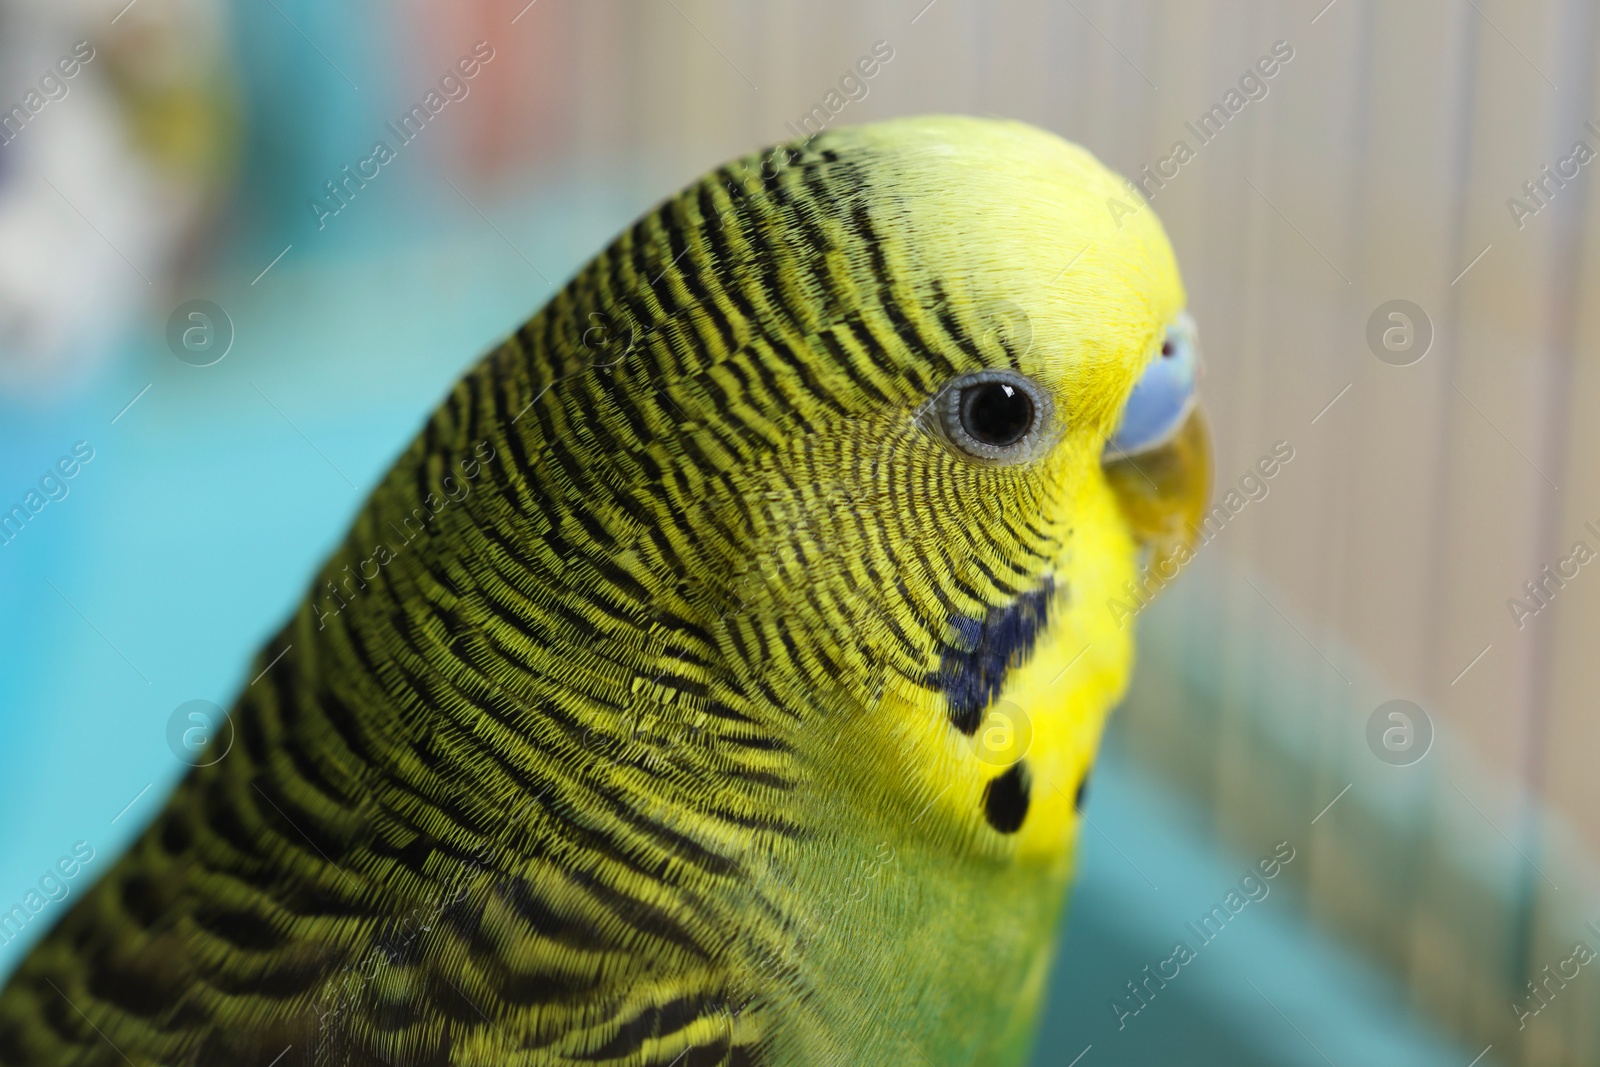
1163 493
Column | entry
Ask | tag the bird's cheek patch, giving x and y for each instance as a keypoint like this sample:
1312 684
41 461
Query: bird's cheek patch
972 668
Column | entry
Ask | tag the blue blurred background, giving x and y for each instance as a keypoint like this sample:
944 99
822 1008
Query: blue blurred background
180 162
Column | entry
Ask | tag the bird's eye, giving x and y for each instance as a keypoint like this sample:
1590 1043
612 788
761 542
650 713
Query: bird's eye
995 415
1163 397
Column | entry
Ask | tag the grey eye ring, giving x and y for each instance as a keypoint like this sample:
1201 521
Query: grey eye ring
996 416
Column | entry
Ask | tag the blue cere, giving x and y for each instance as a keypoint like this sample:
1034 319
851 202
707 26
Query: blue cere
1162 399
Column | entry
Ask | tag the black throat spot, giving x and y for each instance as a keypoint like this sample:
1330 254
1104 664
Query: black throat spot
1005 799
973 668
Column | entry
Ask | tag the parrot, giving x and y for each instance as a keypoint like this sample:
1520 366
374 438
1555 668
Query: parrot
717 676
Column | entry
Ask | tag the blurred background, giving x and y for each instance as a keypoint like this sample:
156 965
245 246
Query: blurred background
1389 246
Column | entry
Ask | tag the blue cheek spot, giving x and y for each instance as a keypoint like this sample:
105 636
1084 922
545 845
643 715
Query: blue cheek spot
973 670
1163 397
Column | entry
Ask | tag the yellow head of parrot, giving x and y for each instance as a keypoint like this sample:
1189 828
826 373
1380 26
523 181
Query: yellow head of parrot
951 315
1072 271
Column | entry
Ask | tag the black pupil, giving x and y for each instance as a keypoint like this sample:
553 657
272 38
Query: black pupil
995 413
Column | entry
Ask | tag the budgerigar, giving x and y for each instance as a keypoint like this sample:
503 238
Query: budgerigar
716 676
